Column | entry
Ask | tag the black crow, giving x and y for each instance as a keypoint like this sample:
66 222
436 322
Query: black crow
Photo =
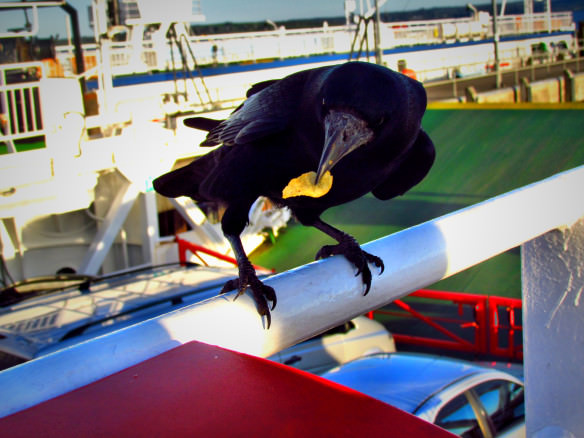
358 121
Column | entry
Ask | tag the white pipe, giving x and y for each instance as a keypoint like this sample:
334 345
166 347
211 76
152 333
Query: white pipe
30 4
34 24
548 11
314 297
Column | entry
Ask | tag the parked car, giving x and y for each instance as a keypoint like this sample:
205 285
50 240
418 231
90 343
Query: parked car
44 315
466 399
40 317
357 337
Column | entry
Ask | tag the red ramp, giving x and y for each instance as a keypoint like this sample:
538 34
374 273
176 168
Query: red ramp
201 390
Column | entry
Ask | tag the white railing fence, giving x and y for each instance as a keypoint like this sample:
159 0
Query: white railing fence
20 108
154 54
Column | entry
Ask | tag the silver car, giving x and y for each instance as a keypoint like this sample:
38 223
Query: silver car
355 338
49 315
461 397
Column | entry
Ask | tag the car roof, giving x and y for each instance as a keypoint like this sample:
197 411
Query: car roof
403 380
29 326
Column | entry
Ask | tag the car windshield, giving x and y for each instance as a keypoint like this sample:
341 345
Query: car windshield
401 380
103 305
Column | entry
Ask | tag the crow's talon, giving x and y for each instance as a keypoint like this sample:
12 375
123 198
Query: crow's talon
374 260
325 252
351 250
261 293
367 280
230 285
261 299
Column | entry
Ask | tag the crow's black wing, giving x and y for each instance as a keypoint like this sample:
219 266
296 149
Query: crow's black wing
409 169
269 109
202 123
206 124
256 88
186 180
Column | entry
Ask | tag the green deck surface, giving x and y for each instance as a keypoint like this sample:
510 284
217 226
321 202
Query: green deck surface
481 153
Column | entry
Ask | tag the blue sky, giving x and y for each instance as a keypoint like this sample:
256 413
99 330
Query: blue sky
53 19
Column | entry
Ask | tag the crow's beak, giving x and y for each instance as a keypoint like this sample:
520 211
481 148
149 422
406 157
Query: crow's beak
344 132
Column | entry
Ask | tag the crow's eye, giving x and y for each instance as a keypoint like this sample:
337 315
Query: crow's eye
323 102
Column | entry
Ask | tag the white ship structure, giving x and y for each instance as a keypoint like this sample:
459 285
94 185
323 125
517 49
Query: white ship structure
84 133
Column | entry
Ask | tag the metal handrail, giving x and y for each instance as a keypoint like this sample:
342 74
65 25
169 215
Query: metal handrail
247 46
20 112
441 82
34 5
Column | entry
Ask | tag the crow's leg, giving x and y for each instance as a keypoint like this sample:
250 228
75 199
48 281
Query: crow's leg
248 278
350 249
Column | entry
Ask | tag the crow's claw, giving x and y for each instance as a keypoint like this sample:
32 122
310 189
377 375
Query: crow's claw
261 293
350 249
231 285
374 260
325 251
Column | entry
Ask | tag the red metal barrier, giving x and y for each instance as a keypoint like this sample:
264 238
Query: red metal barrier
509 305
486 322
185 245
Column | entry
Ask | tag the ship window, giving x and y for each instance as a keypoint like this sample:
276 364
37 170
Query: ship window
170 223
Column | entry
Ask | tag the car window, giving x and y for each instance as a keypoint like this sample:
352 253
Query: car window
340 329
9 360
458 417
503 401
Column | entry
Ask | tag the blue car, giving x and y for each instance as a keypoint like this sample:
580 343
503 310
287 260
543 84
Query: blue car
465 398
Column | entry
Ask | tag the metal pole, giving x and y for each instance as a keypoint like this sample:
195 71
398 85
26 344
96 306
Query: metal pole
377 35
496 41
79 63
553 320
548 16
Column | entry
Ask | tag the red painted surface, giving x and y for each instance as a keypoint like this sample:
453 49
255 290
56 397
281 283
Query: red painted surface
198 390
508 306
185 245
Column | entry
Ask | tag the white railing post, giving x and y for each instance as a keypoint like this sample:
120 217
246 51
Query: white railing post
20 112
553 327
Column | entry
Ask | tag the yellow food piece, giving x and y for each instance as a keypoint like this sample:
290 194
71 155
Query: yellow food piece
304 185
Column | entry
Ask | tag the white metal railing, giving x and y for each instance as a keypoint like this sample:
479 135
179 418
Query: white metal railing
314 297
33 6
305 42
154 54
20 108
34 26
